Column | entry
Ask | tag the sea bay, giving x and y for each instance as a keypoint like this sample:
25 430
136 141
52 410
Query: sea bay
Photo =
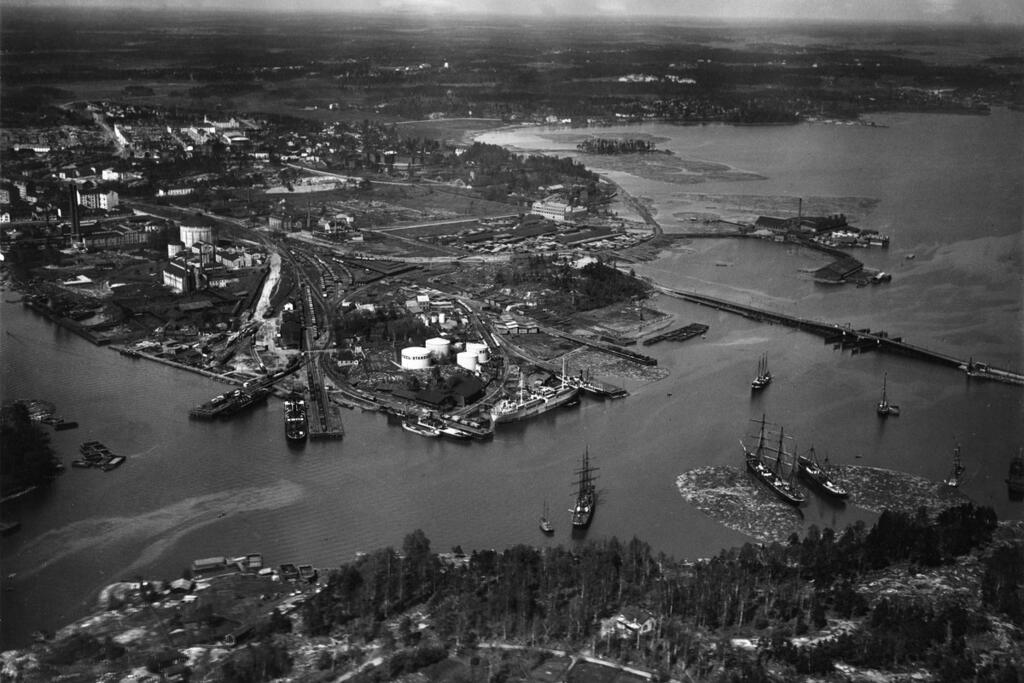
949 191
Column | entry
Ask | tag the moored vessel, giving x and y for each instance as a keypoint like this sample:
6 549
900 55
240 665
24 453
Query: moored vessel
768 463
422 425
545 524
884 408
296 421
818 475
957 472
586 494
764 375
530 402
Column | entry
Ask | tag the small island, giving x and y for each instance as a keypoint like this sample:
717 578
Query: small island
606 146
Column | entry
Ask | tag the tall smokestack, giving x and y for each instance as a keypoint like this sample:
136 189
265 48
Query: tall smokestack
800 208
76 225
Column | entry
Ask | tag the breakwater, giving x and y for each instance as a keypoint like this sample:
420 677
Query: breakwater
858 341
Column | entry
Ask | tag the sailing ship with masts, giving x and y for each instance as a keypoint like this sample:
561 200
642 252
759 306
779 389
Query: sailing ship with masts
771 463
884 408
764 375
957 472
529 402
819 475
586 493
545 523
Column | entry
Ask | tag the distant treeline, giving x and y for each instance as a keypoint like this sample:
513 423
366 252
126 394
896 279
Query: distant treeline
606 146
559 595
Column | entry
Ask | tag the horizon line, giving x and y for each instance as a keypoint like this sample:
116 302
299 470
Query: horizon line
113 6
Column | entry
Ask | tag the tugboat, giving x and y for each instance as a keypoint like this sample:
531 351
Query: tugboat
767 463
1015 480
764 375
586 494
296 423
817 474
545 524
957 472
884 408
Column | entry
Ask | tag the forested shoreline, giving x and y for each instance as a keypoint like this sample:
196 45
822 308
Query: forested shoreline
775 592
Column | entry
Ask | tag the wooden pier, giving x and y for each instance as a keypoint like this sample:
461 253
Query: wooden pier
857 341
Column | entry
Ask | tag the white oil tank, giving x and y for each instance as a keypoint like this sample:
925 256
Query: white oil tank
190 234
466 359
476 347
483 356
439 347
415 358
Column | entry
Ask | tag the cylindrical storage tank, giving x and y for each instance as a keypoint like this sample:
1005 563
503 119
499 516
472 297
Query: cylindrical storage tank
174 248
466 359
192 234
476 347
439 347
415 358
483 356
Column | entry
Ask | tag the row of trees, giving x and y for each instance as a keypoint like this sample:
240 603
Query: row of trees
558 595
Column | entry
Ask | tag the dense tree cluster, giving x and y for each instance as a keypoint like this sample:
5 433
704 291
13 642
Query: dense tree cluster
385 323
614 146
593 286
558 595
498 171
26 458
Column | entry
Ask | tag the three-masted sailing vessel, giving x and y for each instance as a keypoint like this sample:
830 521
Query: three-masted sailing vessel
764 375
771 463
586 493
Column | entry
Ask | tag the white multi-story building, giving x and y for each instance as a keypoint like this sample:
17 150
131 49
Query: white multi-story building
99 200
560 212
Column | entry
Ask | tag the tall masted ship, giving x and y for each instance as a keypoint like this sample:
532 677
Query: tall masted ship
586 494
771 463
529 402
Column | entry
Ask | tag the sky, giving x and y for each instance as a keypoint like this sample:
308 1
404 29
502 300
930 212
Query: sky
1004 12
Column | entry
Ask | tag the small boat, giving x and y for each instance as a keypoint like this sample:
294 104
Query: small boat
81 463
545 524
113 463
884 408
818 475
764 375
419 426
1015 480
956 474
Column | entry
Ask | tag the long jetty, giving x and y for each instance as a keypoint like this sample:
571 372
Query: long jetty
858 341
